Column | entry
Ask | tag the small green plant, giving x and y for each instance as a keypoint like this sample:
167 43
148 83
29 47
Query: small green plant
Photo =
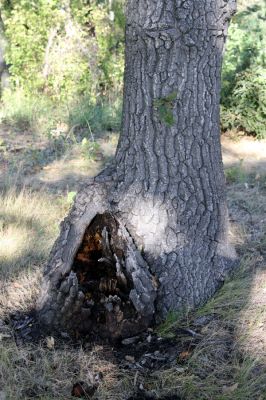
89 148
102 116
171 322
164 107
71 197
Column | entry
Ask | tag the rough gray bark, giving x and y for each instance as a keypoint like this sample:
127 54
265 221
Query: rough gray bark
166 187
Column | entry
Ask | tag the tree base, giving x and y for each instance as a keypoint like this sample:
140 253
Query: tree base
96 281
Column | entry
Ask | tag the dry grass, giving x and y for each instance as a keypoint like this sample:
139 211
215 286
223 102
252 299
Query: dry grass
28 226
227 364
31 372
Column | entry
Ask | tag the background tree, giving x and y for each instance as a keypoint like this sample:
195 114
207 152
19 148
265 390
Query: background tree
4 73
160 209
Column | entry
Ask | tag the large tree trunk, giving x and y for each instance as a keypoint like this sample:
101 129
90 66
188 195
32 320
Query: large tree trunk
165 190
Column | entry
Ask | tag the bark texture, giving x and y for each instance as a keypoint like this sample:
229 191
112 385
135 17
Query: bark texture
166 186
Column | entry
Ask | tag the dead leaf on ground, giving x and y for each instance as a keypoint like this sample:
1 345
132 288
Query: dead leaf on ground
83 390
130 358
184 355
50 342
230 389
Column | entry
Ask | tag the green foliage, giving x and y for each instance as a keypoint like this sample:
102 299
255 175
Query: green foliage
244 78
165 106
65 49
248 103
64 56
27 24
109 30
48 49
97 116
25 111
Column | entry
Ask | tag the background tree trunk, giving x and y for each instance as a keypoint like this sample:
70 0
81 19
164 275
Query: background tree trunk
166 187
4 73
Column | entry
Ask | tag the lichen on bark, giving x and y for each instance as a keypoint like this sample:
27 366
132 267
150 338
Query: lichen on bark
164 106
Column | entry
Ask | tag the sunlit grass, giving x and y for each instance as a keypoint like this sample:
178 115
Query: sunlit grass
229 362
28 226
252 321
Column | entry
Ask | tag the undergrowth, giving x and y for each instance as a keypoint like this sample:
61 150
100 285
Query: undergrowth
40 115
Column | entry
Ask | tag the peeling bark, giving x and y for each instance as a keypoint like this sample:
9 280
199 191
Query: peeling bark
166 187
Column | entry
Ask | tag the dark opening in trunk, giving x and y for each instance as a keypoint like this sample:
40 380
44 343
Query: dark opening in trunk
107 309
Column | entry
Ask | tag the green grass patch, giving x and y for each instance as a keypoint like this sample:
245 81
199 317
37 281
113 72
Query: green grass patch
96 117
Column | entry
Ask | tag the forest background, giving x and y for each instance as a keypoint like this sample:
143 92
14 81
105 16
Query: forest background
66 60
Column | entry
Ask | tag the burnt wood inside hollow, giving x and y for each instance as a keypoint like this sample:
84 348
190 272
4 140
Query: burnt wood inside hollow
106 285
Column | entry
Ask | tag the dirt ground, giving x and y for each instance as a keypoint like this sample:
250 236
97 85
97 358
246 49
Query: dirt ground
244 150
34 161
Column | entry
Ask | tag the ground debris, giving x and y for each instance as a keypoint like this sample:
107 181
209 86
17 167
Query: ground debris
204 320
83 390
149 352
50 342
26 328
130 340
142 394
130 359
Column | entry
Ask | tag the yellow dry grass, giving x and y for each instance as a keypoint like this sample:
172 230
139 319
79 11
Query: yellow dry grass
28 225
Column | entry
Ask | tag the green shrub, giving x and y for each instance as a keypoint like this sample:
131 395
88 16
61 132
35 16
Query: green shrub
65 49
243 79
47 49
96 117
66 63
248 103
